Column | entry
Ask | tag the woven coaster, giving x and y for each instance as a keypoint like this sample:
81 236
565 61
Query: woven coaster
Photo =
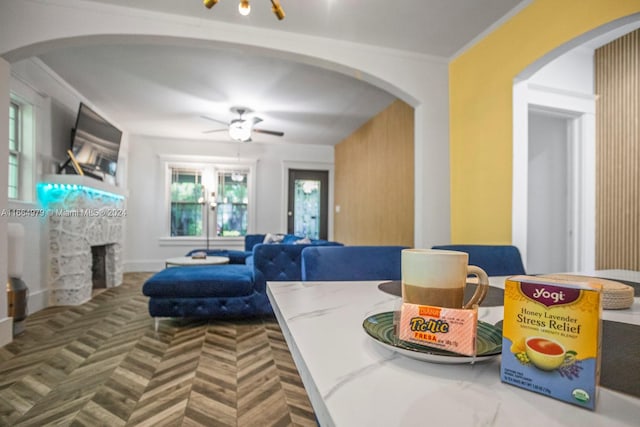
634 285
615 295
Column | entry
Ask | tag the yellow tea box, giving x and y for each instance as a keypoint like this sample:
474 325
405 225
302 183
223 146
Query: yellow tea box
448 329
551 337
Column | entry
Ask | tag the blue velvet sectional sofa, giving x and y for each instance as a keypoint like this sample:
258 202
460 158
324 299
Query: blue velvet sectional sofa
234 290
352 263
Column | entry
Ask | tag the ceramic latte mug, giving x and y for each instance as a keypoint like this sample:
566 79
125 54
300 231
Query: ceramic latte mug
438 277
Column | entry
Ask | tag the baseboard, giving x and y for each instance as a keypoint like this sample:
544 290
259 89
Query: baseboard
37 301
6 331
143 266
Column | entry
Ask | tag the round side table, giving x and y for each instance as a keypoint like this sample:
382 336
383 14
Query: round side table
186 261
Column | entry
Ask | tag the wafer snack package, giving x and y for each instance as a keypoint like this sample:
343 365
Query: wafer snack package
448 329
551 337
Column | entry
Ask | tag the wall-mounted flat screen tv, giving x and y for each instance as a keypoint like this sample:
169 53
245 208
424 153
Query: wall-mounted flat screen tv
95 143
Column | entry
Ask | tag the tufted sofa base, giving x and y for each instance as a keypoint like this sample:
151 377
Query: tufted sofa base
254 304
220 292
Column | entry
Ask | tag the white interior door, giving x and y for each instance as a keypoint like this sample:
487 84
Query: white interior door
549 225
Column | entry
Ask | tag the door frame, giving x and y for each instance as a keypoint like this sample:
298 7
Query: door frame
318 166
305 174
580 109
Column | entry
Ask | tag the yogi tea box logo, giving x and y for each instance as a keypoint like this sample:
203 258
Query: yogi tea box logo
551 338
549 295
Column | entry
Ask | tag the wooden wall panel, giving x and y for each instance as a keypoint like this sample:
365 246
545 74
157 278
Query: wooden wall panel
374 181
617 74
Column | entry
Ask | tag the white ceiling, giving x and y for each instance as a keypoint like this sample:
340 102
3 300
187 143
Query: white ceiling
433 27
164 90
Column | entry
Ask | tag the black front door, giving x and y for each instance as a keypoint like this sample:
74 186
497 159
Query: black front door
308 206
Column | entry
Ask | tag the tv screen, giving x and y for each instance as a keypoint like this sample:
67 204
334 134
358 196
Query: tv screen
95 143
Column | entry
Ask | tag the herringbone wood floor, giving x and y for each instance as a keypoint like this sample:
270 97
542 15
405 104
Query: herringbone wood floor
102 364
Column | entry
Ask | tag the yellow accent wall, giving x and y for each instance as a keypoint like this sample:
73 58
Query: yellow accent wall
480 95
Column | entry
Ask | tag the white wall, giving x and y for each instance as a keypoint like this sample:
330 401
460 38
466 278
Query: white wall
146 243
31 82
35 254
56 105
28 27
571 72
5 322
58 113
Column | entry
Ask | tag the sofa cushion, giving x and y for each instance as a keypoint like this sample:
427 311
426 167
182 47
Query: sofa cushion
249 261
495 260
323 263
320 242
273 238
286 239
229 280
250 240
291 238
237 257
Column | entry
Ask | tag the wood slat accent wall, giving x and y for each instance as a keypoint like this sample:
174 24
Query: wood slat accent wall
617 75
374 181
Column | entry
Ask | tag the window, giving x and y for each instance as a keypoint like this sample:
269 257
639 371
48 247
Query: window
25 106
187 207
210 200
232 203
14 150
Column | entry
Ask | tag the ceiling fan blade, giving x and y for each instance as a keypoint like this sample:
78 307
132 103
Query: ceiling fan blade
215 130
214 120
269 132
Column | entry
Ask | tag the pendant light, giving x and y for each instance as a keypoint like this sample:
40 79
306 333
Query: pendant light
244 7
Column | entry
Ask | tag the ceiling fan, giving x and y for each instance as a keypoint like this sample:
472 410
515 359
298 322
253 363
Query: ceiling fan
241 128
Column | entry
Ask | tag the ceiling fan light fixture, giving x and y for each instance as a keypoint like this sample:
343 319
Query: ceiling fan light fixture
209 3
277 9
239 130
244 7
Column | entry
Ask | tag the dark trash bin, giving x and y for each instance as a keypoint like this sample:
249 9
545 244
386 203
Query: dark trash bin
17 300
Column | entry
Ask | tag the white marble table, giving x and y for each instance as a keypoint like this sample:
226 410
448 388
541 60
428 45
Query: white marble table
353 381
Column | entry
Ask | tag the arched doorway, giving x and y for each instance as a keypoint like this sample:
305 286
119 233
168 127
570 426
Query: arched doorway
556 236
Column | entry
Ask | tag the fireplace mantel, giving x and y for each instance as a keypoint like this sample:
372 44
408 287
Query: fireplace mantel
81 213
84 181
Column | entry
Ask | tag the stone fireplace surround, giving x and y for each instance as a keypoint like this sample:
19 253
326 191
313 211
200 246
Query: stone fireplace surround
81 212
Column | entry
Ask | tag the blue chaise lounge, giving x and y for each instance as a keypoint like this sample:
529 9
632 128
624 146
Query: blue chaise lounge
225 291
